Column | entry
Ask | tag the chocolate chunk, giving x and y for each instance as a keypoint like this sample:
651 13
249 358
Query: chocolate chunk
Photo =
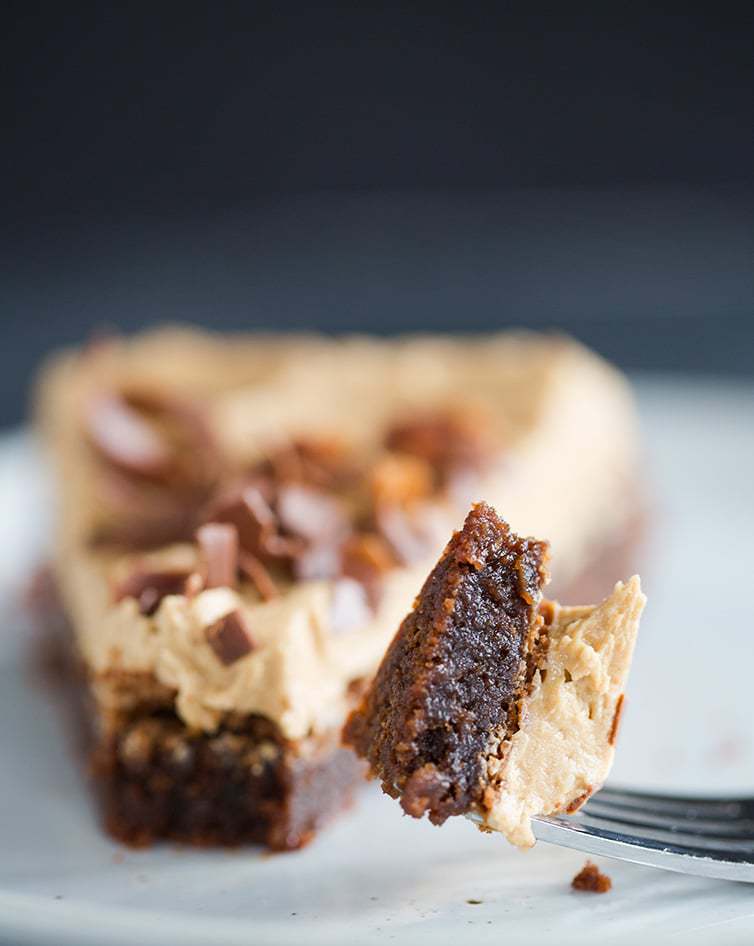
258 575
400 479
286 464
125 438
184 424
246 508
349 608
161 465
320 462
310 513
230 638
403 533
141 513
318 562
366 557
194 585
218 546
150 587
450 441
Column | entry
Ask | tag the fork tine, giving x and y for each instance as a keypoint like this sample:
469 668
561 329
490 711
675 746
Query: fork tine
562 831
668 835
679 806
601 809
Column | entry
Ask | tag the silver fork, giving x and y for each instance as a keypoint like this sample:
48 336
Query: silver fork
708 837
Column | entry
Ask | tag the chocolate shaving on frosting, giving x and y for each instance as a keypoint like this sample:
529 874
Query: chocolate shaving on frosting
322 462
310 513
318 562
230 638
349 608
160 464
218 547
124 438
404 535
454 443
150 587
366 558
248 510
258 575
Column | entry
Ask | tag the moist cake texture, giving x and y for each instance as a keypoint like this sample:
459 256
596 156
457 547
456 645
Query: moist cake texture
490 700
244 522
454 675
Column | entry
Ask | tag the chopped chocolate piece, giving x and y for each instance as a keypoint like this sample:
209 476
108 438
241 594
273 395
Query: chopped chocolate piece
246 508
141 514
198 462
310 513
404 533
125 438
230 638
218 546
318 562
286 464
149 587
249 511
366 557
161 465
194 584
322 462
455 671
400 479
257 573
591 879
448 441
350 609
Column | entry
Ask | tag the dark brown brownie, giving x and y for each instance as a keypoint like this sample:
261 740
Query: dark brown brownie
456 670
243 784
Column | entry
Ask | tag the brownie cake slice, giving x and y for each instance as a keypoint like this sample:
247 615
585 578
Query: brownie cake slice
490 700
242 523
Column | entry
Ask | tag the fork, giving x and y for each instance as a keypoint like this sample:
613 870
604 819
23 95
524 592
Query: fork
706 837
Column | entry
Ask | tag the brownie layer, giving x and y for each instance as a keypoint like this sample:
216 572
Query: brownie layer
243 784
456 670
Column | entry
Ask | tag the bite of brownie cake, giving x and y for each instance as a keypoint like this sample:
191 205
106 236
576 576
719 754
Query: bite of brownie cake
492 700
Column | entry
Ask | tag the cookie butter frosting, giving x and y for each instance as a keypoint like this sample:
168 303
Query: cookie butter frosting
564 420
565 743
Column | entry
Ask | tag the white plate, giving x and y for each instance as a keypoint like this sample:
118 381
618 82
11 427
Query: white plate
376 876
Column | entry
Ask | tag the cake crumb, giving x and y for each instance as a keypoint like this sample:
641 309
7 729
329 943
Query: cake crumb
591 879
475 903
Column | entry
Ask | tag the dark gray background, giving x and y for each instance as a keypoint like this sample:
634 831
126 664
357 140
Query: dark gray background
383 168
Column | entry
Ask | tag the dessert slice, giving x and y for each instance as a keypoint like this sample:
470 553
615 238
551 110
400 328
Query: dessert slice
491 700
243 522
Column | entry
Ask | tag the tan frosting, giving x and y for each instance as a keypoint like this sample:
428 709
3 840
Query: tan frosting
565 745
565 418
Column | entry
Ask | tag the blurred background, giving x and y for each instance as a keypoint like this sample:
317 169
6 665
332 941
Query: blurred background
352 167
